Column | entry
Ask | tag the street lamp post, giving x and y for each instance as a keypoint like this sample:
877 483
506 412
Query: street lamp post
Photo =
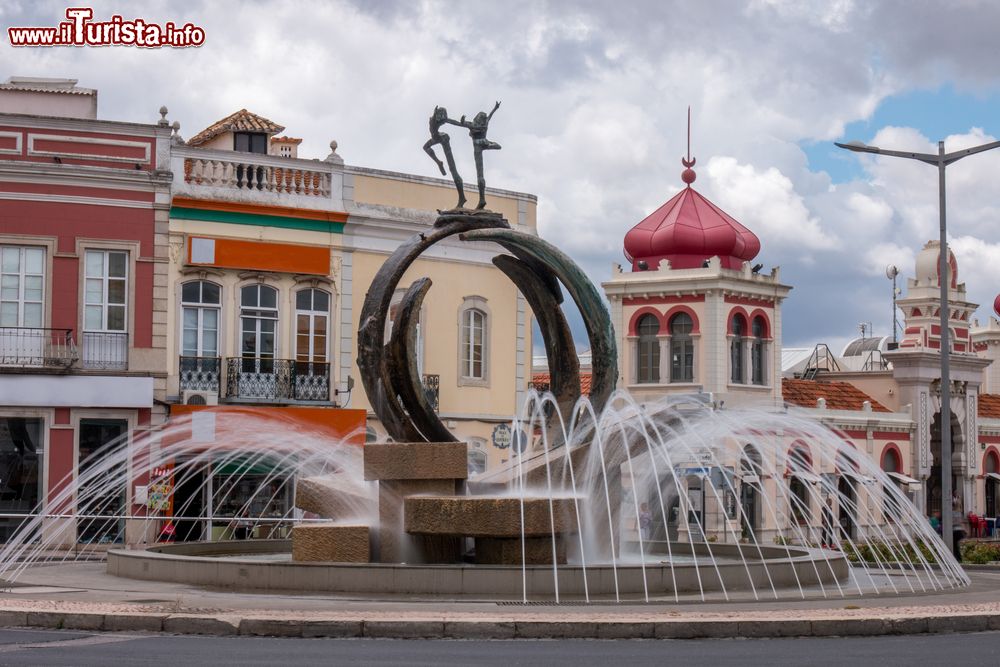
940 160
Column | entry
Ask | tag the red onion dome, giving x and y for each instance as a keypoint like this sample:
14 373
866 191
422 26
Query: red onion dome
687 230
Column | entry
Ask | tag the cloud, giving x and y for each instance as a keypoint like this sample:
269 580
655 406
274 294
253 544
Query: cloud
593 117
766 202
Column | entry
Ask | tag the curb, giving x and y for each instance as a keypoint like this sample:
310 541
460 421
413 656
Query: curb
232 625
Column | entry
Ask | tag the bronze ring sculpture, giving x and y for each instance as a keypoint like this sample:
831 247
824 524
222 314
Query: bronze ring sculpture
389 370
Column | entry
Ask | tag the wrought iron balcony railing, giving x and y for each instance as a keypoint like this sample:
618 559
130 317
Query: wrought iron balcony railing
105 350
37 347
200 373
277 379
432 389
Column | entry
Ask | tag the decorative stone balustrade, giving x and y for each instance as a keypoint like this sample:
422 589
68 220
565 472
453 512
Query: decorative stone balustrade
251 177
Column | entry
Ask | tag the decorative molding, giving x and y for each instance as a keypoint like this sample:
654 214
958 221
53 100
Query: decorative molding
94 141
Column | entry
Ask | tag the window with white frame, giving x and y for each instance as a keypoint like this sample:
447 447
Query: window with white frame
105 291
200 303
312 316
473 356
258 321
22 286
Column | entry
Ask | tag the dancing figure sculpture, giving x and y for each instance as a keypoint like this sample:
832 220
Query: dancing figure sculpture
477 131
478 127
437 119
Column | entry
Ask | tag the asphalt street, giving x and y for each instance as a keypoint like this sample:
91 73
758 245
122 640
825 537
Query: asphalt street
80 649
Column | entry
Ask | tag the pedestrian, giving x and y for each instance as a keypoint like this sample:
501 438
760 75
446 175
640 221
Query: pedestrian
645 521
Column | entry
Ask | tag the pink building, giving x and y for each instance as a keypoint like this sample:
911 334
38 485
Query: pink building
83 258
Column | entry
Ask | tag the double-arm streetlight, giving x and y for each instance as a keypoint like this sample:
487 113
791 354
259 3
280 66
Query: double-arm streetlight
940 160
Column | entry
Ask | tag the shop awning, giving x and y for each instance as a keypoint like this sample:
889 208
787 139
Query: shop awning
248 465
903 479
750 478
808 477
993 475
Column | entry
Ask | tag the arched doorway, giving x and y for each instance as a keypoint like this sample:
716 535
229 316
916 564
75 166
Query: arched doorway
934 481
847 496
991 481
750 486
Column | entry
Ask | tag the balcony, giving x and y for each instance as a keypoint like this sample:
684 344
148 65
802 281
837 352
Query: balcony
200 373
29 347
432 389
277 380
255 178
104 350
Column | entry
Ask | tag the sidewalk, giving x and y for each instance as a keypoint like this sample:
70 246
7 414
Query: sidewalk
82 596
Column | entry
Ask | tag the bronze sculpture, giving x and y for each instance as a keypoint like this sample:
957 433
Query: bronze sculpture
437 119
539 270
477 127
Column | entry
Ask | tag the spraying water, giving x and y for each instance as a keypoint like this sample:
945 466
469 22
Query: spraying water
679 495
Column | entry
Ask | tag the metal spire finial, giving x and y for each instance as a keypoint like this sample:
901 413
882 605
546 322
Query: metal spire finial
688 175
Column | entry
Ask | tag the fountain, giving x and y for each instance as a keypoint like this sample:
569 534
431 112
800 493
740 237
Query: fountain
613 500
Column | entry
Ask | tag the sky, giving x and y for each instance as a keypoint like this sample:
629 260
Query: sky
593 118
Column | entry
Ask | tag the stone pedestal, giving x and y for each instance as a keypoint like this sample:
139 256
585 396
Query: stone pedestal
508 550
331 543
408 469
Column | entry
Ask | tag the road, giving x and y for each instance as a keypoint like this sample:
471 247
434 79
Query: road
54 647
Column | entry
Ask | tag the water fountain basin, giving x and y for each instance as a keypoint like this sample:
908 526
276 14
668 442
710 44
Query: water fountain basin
266 566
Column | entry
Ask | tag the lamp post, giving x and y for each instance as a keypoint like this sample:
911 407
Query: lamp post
940 160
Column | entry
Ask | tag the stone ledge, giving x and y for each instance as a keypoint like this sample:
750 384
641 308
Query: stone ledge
416 460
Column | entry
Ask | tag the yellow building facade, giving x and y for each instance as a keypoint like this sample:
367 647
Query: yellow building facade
270 260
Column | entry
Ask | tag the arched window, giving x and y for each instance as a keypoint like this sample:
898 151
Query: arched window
312 317
200 303
757 356
258 322
681 348
473 352
800 467
890 460
736 346
199 358
648 369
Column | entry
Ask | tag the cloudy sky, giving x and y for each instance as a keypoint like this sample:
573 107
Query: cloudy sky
593 118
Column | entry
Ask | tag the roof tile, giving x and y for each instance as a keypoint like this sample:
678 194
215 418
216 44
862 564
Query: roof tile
838 395
241 121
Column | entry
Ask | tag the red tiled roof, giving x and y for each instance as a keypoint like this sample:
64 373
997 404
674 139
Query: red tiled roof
989 406
286 140
241 121
541 382
838 395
